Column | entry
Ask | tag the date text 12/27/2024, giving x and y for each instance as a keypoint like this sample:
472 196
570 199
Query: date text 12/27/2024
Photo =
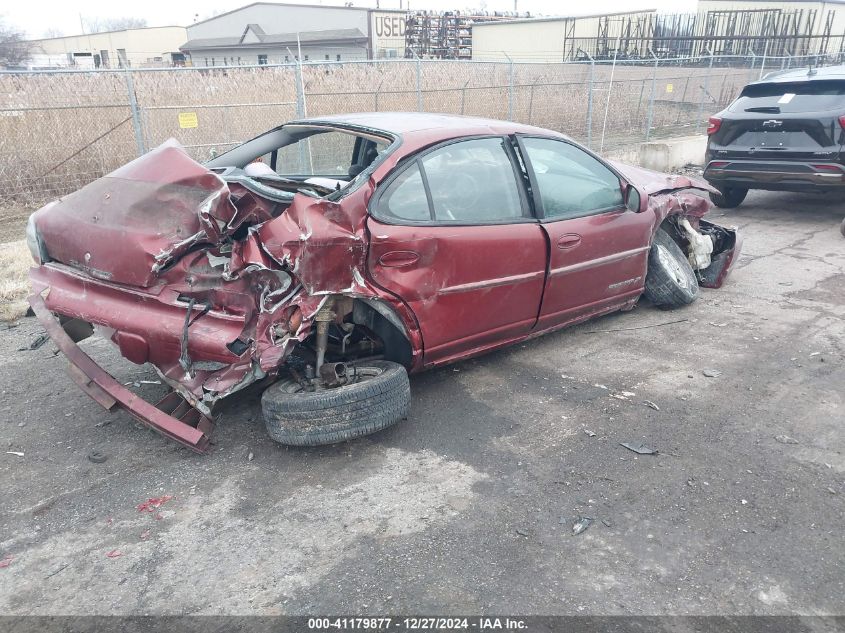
416 623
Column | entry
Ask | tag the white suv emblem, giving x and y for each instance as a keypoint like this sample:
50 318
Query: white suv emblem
772 123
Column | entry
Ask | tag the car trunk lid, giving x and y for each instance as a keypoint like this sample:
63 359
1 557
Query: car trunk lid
129 225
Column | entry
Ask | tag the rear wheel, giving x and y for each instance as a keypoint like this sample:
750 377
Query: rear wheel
377 396
729 197
670 281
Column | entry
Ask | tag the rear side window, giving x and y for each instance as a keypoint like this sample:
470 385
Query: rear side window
405 198
800 96
468 182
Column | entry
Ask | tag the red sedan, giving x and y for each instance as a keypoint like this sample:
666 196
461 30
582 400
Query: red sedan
330 257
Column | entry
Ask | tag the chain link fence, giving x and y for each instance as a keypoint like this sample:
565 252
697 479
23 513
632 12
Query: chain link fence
62 129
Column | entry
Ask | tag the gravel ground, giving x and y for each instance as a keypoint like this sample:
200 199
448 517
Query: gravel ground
468 506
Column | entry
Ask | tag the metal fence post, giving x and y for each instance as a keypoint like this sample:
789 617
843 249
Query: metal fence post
510 89
136 113
753 61
650 116
419 82
531 98
300 86
375 96
301 110
704 93
589 99
464 95
763 62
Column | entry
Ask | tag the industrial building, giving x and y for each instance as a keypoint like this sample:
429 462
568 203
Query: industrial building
557 39
718 27
144 47
797 27
270 33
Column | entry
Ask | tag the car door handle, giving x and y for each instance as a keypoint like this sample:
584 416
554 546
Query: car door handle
570 240
399 259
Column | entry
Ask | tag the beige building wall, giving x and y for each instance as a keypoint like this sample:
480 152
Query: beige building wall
535 40
541 39
142 47
821 9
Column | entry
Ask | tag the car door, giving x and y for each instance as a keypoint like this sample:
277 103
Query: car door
598 248
452 234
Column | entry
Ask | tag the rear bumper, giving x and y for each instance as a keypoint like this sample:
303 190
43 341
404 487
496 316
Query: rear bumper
775 175
190 428
172 416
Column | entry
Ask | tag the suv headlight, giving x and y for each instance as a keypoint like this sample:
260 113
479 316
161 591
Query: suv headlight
35 243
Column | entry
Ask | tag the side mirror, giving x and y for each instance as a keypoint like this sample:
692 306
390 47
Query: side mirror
635 200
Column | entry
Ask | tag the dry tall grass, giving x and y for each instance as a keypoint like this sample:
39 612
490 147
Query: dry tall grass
59 131
15 261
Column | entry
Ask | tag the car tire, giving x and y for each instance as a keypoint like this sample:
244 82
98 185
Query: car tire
729 197
670 281
379 398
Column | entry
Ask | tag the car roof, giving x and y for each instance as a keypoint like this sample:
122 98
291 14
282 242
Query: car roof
802 74
431 125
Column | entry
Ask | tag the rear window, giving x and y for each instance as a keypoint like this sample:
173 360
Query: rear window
801 96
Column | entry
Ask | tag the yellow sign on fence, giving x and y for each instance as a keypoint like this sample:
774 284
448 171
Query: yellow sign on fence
670 88
188 119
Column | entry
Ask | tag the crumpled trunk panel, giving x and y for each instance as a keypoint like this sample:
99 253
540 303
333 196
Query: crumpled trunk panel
134 222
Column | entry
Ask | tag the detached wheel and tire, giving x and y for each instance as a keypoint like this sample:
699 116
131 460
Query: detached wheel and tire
729 197
670 281
378 396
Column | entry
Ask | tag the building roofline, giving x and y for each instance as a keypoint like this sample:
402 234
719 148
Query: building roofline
270 40
142 28
561 18
296 4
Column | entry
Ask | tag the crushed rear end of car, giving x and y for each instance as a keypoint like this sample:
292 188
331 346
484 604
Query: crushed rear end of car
205 278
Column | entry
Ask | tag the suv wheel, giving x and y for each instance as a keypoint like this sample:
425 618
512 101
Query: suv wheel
729 197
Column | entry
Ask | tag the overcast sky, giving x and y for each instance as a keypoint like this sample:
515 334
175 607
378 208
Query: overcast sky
36 17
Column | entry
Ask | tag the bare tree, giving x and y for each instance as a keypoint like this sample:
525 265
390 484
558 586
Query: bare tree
99 25
14 49
50 33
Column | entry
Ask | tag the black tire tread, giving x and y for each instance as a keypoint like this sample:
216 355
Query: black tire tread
341 414
729 198
660 288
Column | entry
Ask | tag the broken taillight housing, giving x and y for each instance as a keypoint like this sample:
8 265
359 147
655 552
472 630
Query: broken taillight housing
34 242
713 124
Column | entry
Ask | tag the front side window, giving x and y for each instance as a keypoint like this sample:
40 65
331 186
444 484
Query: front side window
469 182
571 183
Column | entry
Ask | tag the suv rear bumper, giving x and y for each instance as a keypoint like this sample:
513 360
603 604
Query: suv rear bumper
775 175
